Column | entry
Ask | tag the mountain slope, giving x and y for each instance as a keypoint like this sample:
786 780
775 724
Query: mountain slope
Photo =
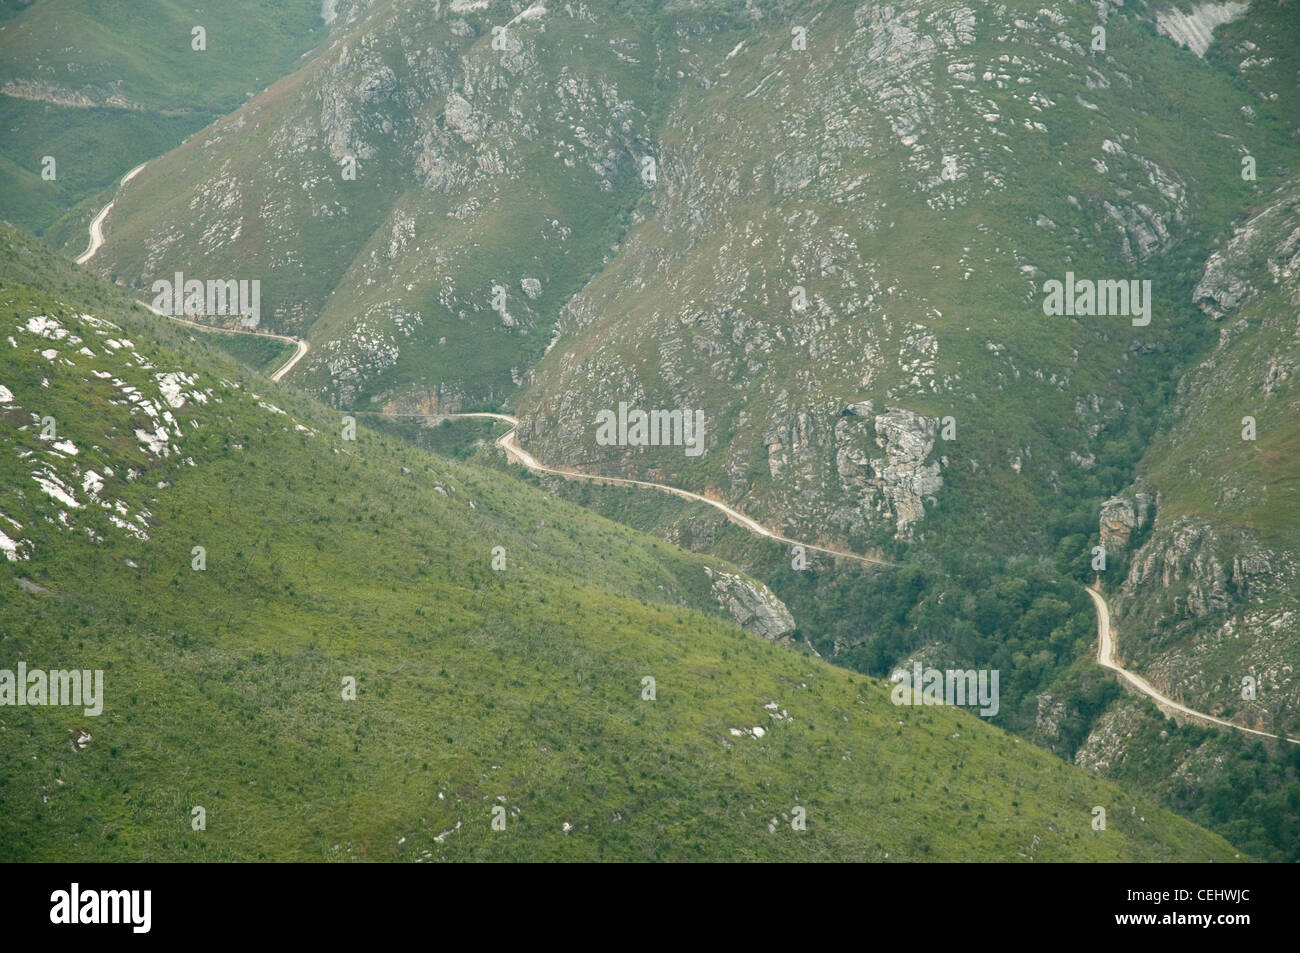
1205 583
101 87
916 176
919 172
327 559
1210 596
476 169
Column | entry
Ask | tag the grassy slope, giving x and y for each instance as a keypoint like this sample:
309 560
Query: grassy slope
141 52
327 559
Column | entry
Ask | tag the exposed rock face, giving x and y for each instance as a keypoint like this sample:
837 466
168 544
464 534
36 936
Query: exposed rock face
1220 290
753 605
1251 572
790 438
1195 29
1185 554
896 486
1117 523
1121 517
462 120
904 478
1268 243
1051 712
1106 746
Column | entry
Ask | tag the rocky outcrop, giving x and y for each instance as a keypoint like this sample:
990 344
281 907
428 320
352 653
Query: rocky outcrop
1051 713
1121 517
905 480
1195 28
1106 747
897 486
790 437
1267 247
1220 289
1185 556
1251 572
754 606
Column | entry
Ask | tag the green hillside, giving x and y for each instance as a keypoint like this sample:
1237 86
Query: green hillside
328 558
103 86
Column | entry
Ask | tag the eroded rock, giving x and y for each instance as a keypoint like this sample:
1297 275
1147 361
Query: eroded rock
754 606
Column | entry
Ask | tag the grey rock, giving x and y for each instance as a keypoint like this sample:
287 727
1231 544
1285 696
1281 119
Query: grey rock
1051 713
1184 553
754 606
1118 520
1121 517
904 477
1220 290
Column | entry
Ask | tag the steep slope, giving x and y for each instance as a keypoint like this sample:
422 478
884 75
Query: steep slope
1045 440
849 243
101 87
419 200
845 242
1205 587
917 173
1210 597
326 559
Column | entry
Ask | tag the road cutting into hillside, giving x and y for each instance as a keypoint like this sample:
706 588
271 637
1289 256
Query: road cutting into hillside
1106 659
509 444
301 347
97 223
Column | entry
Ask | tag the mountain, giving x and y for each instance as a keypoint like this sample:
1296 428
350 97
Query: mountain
385 191
326 559
851 243
1218 554
101 87
499 213
841 258
1207 609
984 292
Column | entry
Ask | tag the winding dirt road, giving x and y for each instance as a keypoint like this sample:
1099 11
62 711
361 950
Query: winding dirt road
1106 659
97 223
509 443
301 347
